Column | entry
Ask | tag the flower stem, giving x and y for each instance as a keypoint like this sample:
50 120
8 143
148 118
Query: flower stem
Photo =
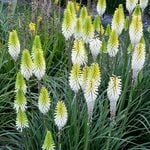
59 139
109 135
87 134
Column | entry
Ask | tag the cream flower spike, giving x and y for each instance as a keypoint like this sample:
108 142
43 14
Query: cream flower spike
61 115
138 59
113 93
13 45
74 79
78 29
113 44
101 7
143 4
68 24
88 30
131 4
26 65
39 64
44 100
95 46
136 27
118 20
48 142
21 120
79 55
20 83
20 101
91 87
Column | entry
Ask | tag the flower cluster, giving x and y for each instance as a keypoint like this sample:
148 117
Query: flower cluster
90 81
48 142
113 92
20 103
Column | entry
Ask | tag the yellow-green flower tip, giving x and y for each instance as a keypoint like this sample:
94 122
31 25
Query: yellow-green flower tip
20 83
108 30
142 40
36 44
71 7
97 23
83 13
48 142
137 11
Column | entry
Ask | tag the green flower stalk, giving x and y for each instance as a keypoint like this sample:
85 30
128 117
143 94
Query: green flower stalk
108 30
130 5
103 47
126 24
88 30
74 78
83 14
68 24
48 142
20 83
136 27
13 45
101 7
118 20
78 54
61 115
44 100
113 44
78 29
26 65
97 23
20 101
21 120
39 64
